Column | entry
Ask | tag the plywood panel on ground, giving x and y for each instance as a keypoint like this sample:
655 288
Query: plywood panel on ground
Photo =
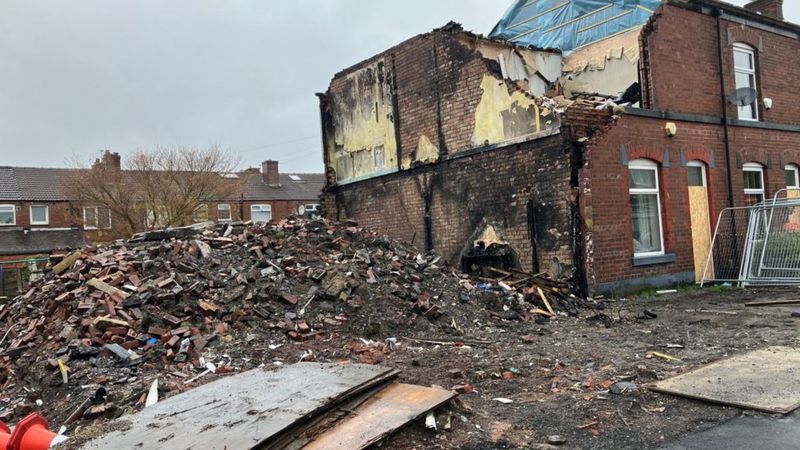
765 380
383 413
241 411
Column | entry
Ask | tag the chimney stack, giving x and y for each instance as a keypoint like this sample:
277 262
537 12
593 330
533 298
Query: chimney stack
110 160
770 8
270 174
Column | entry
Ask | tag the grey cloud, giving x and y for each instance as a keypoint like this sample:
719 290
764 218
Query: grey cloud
78 76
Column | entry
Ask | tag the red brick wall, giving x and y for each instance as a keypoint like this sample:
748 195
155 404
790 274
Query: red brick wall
605 200
59 212
684 72
494 185
281 209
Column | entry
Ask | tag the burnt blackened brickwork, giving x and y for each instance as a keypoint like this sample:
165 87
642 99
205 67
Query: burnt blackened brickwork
528 189
495 185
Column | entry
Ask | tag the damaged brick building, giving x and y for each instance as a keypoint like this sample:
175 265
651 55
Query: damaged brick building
487 149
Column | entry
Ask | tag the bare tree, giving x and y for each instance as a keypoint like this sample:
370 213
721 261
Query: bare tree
162 187
177 183
103 185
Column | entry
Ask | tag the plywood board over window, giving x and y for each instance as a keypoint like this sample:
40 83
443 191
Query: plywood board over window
700 218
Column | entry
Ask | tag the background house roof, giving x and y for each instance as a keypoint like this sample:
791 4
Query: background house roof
308 187
569 24
41 184
18 242
38 184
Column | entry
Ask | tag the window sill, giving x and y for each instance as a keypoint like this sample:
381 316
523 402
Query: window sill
653 260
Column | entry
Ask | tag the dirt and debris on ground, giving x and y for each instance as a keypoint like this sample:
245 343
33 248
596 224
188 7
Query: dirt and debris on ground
533 365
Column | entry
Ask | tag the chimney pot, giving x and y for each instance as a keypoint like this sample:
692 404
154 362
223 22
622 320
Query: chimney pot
771 8
270 174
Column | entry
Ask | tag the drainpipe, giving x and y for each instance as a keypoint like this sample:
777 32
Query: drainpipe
724 108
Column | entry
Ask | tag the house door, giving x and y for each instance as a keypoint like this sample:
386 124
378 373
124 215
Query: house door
700 217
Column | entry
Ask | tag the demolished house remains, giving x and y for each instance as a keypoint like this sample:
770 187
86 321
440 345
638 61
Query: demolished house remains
590 141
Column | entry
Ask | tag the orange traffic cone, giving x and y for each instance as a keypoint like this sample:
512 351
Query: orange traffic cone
31 433
5 436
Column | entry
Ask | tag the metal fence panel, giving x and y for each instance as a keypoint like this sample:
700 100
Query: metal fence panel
758 245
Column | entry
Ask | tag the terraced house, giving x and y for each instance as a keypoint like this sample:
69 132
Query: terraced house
38 216
592 140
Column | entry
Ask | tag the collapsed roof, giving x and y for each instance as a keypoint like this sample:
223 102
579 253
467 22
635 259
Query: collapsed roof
570 24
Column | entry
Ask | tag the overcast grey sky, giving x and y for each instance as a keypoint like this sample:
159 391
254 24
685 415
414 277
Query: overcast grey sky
81 75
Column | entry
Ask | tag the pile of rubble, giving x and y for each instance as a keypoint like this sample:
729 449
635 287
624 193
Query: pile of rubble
183 306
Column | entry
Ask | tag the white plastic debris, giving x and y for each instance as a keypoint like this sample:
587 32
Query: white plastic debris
152 394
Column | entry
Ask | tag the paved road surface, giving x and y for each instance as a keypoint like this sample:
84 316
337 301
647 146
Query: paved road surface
746 433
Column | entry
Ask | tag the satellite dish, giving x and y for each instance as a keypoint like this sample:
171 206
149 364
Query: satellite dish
744 96
301 210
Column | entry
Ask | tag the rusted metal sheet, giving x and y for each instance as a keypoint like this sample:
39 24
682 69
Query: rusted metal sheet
765 380
384 413
243 411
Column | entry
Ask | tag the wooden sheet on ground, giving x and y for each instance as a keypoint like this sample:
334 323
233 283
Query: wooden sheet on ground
765 380
244 410
385 412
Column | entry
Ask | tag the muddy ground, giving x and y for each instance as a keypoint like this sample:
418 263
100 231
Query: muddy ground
560 386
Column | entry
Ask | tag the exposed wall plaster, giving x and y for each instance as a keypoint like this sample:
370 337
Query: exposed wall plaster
501 116
364 139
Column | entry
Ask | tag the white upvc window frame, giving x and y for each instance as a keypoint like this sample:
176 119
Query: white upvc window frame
46 214
265 207
792 168
13 209
229 209
755 167
750 52
646 164
96 218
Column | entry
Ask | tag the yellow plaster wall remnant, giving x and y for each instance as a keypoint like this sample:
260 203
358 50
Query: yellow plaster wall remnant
425 152
501 116
548 64
489 237
364 137
607 67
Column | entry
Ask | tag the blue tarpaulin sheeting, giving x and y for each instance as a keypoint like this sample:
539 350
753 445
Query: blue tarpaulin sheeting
569 24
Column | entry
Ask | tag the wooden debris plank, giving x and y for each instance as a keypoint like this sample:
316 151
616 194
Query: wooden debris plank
107 288
546 303
384 413
66 262
764 380
774 303
242 411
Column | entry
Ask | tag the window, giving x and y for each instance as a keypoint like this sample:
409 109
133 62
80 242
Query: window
753 183
310 210
96 218
40 215
792 179
224 212
648 240
261 213
744 63
8 215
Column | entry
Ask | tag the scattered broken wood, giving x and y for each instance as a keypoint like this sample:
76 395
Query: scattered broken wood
302 397
773 303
